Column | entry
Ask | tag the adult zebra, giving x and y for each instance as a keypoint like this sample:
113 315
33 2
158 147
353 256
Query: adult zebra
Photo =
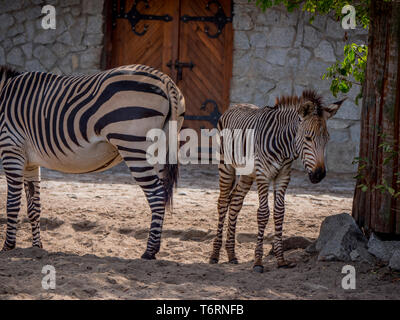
81 124
295 126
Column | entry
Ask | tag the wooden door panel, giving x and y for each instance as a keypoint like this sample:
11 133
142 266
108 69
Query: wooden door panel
159 43
179 40
210 77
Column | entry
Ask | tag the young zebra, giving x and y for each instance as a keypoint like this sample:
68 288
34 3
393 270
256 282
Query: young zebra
81 124
295 126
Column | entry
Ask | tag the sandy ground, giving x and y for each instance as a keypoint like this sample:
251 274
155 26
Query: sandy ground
94 230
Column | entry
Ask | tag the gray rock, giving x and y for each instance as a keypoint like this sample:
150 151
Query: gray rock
68 3
94 24
60 50
349 110
269 17
266 70
281 37
91 58
304 56
92 6
27 49
383 250
45 56
241 40
355 132
277 56
312 37
15 30
242 21
6 21
16 57
2 56
241 63
325 52
34 65
258 40
18 40
339 156
66 38
394 262
11 5
334 29
338 124
45 37
92 40
339 135
29 29
242 89
339 236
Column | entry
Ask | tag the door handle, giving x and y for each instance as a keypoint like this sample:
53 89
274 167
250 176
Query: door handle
179 65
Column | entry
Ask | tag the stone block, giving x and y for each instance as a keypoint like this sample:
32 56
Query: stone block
312 37
339 156
241 40
281 37
258 40
325 51
277 56
45 56
242 22
16 57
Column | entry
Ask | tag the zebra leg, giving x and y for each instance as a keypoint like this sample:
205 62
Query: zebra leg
14 169
280 185
147 178
32 191
262 221
226 182
238 195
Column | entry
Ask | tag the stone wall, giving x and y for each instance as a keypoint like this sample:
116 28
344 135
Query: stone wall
75 46
276 52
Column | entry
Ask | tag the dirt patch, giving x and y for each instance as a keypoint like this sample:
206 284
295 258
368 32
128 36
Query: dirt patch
94 230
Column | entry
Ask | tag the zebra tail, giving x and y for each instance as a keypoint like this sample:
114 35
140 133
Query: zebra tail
170 179
171 170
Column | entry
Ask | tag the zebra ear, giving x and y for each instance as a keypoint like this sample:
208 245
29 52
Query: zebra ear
306 109
331 110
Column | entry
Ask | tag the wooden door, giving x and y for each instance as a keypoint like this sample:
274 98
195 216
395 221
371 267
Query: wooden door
189 40
139 40
209 48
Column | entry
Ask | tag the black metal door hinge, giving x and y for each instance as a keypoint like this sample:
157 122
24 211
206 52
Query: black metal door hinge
212 118
219 19
134 16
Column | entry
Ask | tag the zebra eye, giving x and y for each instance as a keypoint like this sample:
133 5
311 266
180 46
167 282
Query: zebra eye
308 138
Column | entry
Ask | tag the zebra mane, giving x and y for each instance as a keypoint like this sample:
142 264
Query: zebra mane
295 101
8 73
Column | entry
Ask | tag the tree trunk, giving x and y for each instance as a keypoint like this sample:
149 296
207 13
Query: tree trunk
374 207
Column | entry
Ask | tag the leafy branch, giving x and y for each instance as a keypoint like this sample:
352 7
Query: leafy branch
352 67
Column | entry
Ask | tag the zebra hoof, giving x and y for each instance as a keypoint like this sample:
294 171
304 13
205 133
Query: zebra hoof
37 245
234 261
7 248
259 269
148 256
213 261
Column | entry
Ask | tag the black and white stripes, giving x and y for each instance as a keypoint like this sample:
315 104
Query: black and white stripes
295 126
80 124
